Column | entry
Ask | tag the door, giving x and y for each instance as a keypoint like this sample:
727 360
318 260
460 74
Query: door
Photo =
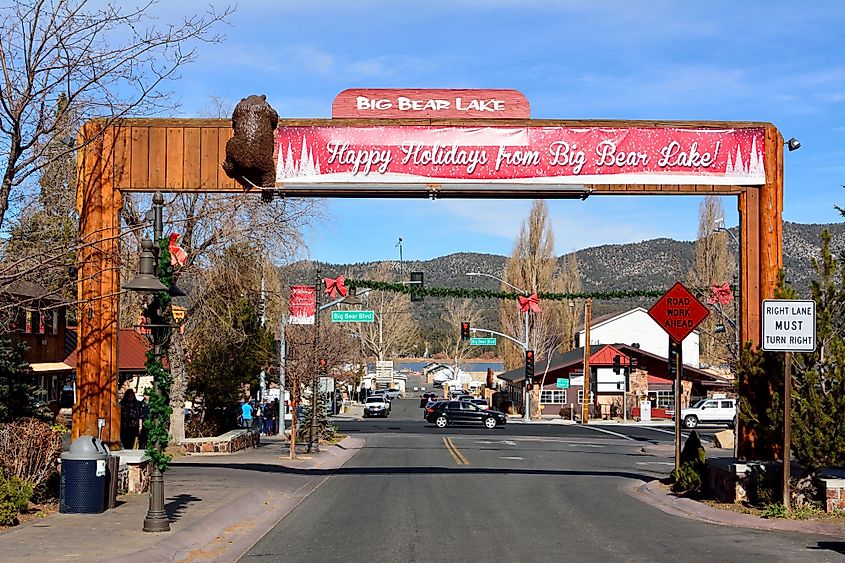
471 413
709 411
727 411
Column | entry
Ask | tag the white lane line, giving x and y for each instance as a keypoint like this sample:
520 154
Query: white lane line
585 445
612 433
670 463
512 457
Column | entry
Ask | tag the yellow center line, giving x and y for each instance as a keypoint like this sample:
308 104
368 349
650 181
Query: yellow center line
456 453
451 451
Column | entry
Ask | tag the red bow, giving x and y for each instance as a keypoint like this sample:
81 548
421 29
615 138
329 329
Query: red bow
532 302
335 285
721 294
177 253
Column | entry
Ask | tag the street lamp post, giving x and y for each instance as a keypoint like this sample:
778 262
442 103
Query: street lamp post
159 333
526 416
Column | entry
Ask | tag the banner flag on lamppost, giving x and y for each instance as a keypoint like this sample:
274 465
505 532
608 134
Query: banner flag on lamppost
302 304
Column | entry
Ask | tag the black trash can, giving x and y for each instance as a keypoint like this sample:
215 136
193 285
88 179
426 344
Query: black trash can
83 480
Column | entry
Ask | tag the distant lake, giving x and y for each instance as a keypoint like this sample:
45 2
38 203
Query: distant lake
416 365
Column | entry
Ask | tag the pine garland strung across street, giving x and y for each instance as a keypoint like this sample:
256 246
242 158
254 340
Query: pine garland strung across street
490 294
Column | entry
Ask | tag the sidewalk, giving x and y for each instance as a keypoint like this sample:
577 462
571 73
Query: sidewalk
219 506
658 496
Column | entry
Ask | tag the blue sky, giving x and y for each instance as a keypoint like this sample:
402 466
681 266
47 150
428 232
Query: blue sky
776 61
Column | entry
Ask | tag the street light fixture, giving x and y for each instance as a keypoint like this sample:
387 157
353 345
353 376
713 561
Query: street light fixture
526 416
159 336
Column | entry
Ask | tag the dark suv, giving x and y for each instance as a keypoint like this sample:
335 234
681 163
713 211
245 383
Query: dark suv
444 413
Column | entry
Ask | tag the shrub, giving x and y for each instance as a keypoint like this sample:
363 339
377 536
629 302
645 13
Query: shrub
692 473
14 498
29 450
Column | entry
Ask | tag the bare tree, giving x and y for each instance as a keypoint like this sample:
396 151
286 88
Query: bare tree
455 312
714 265
106 61
532 267
394 331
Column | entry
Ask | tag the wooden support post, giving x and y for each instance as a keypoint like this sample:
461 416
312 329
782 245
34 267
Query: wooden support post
98 203
585 404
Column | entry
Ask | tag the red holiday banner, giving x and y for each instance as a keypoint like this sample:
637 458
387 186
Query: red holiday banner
303 304
413 155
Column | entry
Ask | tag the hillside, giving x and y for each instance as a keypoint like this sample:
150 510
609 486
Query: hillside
651 264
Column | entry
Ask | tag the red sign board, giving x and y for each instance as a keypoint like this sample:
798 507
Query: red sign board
303 304
678 312
474 158
389 103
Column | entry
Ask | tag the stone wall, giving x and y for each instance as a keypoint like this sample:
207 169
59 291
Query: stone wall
230 442
833 483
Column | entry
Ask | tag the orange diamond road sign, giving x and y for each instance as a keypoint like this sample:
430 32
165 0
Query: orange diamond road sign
678 312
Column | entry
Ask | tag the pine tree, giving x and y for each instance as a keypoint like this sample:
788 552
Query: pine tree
18 397
818 416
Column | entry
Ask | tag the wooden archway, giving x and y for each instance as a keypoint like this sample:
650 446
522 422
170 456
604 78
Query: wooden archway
184 155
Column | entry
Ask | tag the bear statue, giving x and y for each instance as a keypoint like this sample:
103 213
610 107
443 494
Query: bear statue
249 153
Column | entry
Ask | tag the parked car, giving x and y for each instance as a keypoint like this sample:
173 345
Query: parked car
393 394
708 411
482 403
426 397
456 393
445 413
376 406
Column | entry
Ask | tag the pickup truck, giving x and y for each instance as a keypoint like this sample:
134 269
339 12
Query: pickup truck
376 406
709 411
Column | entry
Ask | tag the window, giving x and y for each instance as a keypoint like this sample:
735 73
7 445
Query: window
581 397
663 399
727 404
553 396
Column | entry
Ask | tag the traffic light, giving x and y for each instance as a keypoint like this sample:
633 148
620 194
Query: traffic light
617 364
416 285
674 348
529 366
323 364
633 364
465 330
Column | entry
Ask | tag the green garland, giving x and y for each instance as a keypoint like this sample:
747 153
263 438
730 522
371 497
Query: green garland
490 294
158 423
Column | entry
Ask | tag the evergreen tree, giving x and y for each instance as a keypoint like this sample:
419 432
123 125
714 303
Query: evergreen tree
818 416
19 395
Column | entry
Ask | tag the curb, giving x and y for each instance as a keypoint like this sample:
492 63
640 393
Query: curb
229 532
652 493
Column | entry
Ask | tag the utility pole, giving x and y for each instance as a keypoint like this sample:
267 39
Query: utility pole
282 345
262 305
314 432
585 404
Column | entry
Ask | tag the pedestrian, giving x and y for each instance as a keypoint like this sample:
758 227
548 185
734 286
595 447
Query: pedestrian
246 415
144 436
130 420
274 417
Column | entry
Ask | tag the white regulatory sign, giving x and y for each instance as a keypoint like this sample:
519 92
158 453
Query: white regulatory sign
789 325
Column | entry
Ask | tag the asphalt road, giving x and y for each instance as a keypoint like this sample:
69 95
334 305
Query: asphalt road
524 492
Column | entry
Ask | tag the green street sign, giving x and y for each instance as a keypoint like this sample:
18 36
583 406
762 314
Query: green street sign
563 383
353 316
482 341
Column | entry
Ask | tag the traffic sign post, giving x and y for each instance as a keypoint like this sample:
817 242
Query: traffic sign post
789 325
353 316
475 341
678 312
